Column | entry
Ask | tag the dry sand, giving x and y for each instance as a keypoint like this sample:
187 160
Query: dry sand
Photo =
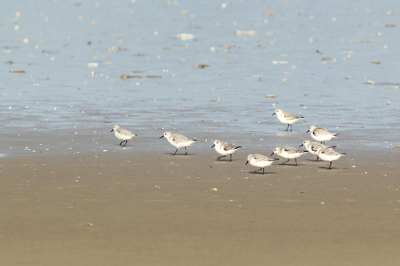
151 208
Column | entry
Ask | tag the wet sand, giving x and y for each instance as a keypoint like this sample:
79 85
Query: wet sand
151 208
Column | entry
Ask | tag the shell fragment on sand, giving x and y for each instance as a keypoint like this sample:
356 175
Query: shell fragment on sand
18 71
246 32
185 36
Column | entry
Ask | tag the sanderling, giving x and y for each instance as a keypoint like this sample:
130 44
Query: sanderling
287 118
313 146
320 134
178 140
123 134
259 160
224 148
288 153
330 155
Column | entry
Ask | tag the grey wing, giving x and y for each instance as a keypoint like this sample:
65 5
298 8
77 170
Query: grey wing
179 138
227 146
290 116
290 149
123 131
320 131
328 151
259 157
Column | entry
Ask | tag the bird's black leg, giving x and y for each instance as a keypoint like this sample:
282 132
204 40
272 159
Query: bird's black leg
175 152
295 159
126 141
230 158
220 157
186 151
317 158
285 162
121 143
263 170
330 166
287 127
291 127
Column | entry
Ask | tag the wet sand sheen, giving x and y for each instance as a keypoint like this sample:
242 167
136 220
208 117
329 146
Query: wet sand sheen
195 210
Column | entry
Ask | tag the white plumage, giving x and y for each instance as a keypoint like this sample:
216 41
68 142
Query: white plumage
259 160
224 148
287 118
288 153
123 134
320 134
178 140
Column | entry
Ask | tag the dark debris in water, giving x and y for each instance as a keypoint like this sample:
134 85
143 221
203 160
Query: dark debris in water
128 77
201 66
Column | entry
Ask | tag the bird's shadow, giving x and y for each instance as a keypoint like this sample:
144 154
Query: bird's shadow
311 160
333 168
122 146
288 164
261 173
180 154
224 160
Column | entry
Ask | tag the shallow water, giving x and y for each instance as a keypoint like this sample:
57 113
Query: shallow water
316 57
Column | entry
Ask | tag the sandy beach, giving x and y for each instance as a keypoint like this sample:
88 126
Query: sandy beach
135 206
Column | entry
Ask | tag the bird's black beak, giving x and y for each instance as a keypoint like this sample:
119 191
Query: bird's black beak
301 145
308 131
112 130
213 146
161 136
272 153
247 162
273 114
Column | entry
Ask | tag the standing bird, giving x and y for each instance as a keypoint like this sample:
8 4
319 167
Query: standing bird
288 153
259 160
123 134
313 146
330 155
224 148
287 118
178 140
321 134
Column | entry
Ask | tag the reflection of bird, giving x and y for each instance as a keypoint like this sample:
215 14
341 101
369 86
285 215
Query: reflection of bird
259 160
330 155
123 134
224 148
288 153
177 140
321 134
287 118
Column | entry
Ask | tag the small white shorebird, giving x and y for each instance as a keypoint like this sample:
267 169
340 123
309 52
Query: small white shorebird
288 153
224 148
259 160
320 134
313 146
328 154
287 118
178 140
123 134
